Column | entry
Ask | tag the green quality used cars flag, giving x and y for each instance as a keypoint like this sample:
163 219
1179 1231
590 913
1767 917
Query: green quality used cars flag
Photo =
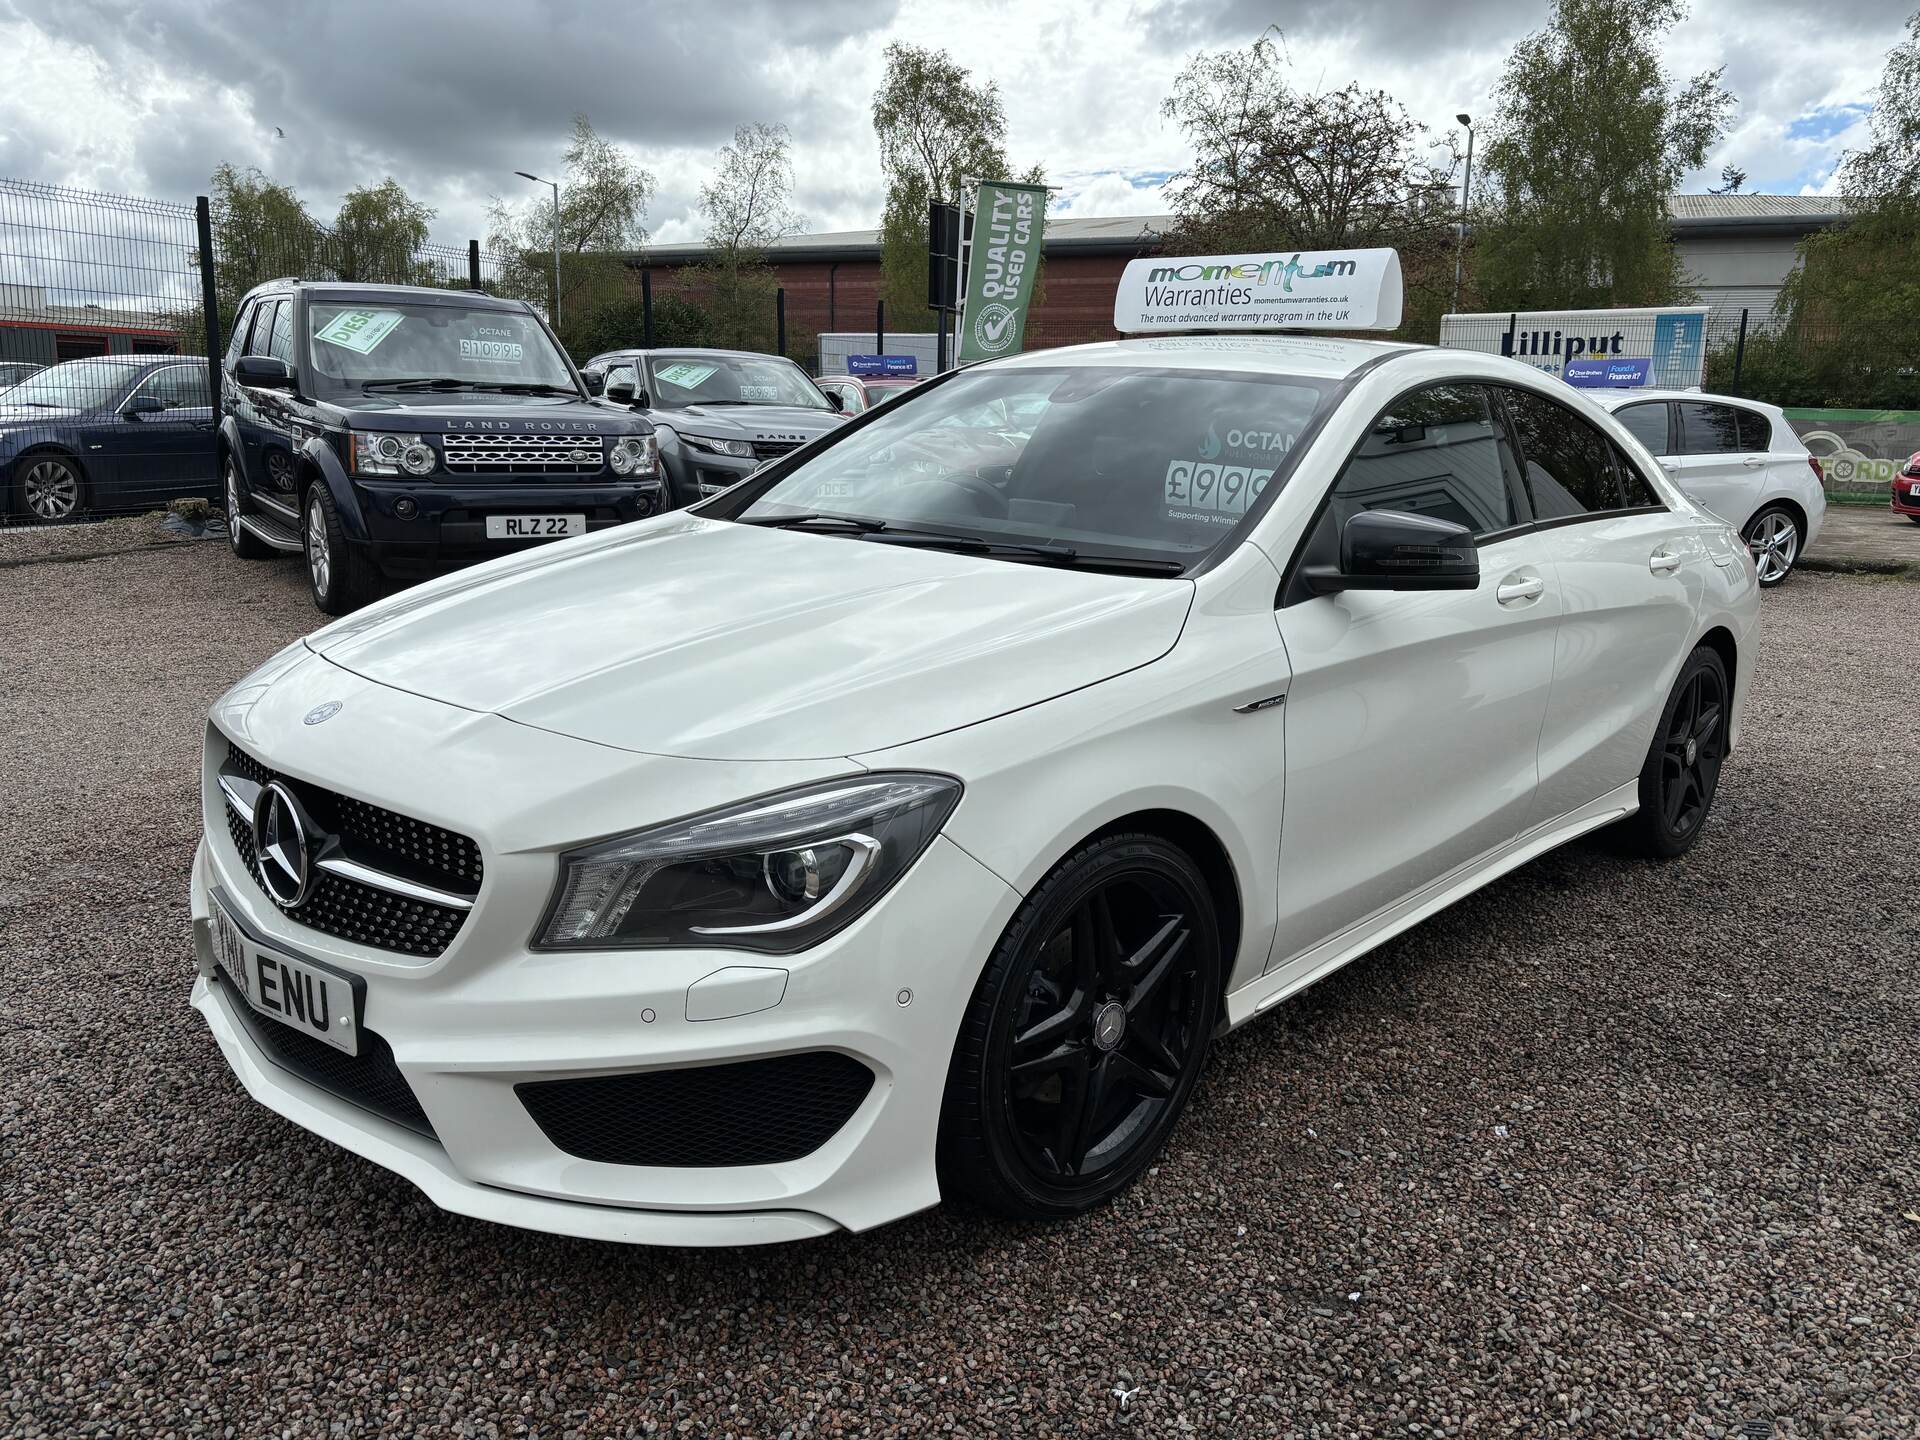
1001 267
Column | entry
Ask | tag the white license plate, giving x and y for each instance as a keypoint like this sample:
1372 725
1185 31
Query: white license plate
534 527
307 997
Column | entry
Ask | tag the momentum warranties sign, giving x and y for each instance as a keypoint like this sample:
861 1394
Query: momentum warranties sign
1296 290
1001 265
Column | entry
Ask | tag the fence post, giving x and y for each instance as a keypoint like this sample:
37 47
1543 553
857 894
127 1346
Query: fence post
646 309
473 264
780 320
1740 352
209 299
880 327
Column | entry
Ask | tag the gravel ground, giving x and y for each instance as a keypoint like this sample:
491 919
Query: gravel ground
1605 1150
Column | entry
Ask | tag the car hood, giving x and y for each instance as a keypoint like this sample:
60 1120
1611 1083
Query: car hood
710 640
437 413
750 422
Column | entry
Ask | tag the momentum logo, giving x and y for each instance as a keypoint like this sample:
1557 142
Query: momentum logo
1262 273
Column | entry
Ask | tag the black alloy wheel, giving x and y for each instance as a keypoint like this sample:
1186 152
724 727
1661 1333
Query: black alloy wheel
1086 1033
1682 770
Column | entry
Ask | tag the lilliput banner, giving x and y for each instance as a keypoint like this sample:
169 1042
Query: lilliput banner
1001 263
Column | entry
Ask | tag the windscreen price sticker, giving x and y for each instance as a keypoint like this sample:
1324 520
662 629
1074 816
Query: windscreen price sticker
1212 491
359 330
492 343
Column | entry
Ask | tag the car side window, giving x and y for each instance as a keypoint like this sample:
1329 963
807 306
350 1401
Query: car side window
1438 451
617 375
1568 464
1709 429
237 342
1635 492
178 387
263 314
280 341
1756 431
1647 423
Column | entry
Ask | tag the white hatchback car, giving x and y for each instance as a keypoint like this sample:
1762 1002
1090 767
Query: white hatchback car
906 821
1738 458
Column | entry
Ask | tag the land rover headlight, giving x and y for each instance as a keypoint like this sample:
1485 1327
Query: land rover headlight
714 445
635 455
381 452
776 874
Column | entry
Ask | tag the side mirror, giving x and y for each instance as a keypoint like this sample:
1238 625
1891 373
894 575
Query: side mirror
594 383
143 405
1392 550
837 401
621 392
263 372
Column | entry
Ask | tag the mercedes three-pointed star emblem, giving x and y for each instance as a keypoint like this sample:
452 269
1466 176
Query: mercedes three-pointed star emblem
282 853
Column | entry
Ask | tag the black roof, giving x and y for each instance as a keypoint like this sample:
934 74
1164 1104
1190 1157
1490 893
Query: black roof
413 294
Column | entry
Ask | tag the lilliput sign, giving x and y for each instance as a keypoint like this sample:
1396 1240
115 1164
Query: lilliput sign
1001 262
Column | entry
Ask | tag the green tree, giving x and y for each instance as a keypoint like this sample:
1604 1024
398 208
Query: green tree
1279 168
748 206
376 234
1590 138
261 230
1851 311
936 128
603 205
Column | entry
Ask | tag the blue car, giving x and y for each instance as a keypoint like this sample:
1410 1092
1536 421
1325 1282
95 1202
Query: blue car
111 432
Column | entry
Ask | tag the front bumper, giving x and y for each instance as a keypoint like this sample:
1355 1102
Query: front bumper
448 528
1906 494
468 1026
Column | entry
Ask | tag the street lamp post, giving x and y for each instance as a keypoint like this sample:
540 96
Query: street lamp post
555 185
1466 196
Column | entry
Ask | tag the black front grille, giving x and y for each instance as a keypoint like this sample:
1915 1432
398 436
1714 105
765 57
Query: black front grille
397 844
754 1112
774 449
370 1079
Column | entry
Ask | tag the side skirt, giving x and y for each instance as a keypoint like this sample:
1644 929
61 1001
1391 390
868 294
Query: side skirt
1265 991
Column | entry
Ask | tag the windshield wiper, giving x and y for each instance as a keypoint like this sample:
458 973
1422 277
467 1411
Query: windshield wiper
858 523
1050 552
523 387
424 382
37 405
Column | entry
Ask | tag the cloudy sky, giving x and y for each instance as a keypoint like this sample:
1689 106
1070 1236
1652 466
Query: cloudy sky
146 98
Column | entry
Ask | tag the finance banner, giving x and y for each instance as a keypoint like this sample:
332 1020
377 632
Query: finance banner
1002 264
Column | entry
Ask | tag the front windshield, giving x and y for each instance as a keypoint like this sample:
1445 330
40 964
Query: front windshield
76 385
708 379
375 342
1156 463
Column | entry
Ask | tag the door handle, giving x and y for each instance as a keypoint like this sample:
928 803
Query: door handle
1753 462
1669 467
1517 588
1662 561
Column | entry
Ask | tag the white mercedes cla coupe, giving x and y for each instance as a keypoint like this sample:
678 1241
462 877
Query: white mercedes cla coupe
906 821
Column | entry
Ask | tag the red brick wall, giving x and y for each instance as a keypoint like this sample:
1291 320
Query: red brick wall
1077 307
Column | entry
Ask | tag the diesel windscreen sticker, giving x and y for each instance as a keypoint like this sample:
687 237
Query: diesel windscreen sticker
359 330
492 342
1229 474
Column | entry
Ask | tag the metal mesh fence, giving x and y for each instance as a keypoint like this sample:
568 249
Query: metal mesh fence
106 300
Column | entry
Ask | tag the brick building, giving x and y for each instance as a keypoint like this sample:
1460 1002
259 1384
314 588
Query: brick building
1737 250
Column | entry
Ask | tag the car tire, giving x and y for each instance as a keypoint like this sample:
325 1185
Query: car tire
1085 1034
1682 770
243 542
1774 539
49 486
338 575
1914 518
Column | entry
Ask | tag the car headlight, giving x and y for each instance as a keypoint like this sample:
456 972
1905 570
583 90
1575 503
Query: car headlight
380 452
714 445
635 455
777 874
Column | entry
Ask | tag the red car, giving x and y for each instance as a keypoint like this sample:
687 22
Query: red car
1906 488
860 393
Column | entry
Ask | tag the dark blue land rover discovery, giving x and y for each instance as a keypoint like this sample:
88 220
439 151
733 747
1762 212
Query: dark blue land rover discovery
390 432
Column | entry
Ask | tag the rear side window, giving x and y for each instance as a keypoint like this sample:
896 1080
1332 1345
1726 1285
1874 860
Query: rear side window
1709 429
280 342
1568 464
1440 451
1647 423
262 330
236 342
1756 431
